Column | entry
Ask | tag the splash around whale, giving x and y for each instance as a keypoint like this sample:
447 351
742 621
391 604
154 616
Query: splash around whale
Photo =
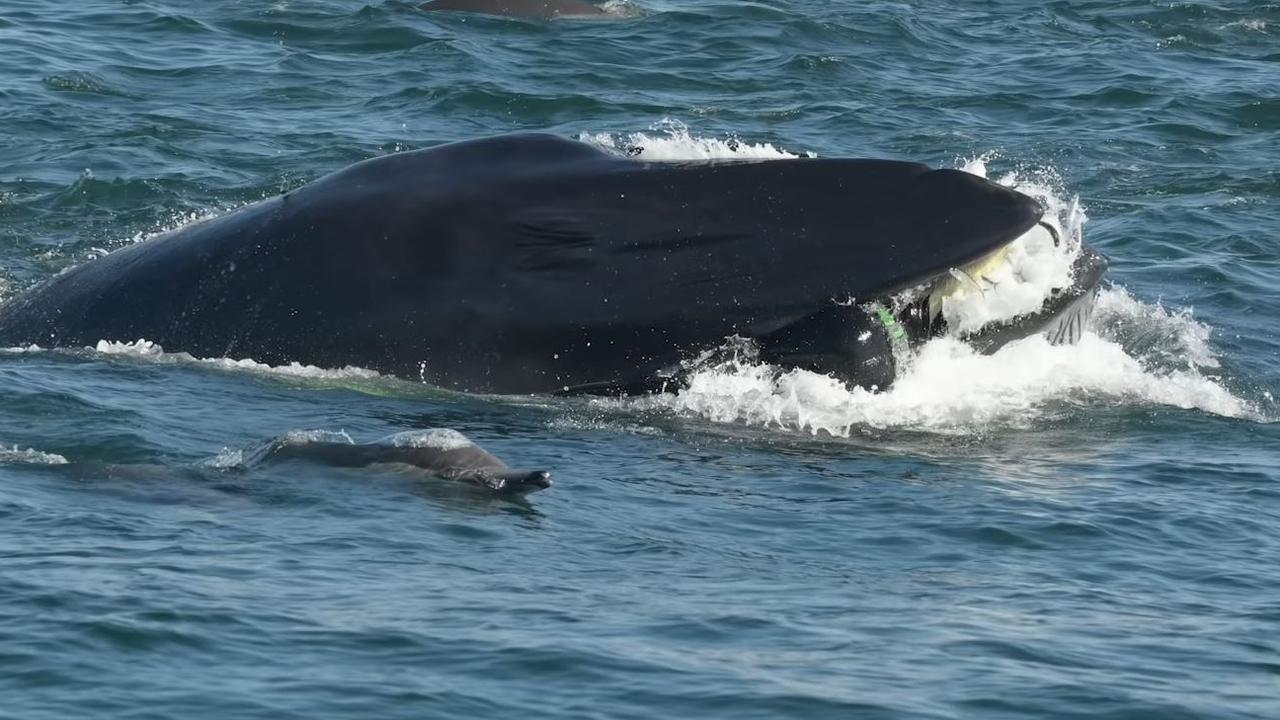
532 263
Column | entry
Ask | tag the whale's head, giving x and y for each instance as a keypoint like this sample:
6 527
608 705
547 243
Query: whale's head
613 269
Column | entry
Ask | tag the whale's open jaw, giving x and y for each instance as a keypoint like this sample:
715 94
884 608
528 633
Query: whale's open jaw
1060 312
1022 286
1042 283
1063 315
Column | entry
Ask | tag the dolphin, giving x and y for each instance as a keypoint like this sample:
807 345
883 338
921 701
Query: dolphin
542 9
531 263
442 452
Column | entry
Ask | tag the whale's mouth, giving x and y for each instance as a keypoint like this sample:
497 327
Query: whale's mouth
972 284
1024 284
1043 282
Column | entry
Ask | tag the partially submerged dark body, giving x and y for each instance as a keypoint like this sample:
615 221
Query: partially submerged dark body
439 453
447 455
544 9
531 263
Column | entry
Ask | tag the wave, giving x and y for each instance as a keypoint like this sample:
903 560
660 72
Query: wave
669 140
148 351
29 456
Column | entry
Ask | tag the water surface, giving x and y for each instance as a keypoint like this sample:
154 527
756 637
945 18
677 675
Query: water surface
1085 532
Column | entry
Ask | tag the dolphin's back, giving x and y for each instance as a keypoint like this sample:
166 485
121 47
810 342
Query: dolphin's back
543 9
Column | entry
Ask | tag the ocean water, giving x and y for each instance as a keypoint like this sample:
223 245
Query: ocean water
1050 532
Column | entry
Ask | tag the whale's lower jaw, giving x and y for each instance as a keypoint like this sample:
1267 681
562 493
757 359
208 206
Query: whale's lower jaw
1063 317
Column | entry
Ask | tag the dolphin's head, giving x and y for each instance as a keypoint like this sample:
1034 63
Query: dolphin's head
512 482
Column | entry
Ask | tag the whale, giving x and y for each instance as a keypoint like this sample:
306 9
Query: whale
539 9
532 263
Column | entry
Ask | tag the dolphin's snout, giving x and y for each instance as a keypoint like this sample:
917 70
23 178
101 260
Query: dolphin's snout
540 479
518 482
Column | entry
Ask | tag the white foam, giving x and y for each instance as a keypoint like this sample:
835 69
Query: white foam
179 219
1032 266
621 9
1153 333
238 458
149 351
308 437
29 456
7 289
22 349
950 388
437 438
670 140
227 459
138 349
1254 24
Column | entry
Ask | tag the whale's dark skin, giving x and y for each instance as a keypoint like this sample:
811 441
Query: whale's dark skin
542 9
533 263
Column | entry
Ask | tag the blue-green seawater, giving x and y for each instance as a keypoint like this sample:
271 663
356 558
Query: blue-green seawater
1053 533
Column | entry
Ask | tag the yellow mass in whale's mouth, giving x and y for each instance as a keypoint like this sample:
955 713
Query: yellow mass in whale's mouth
1014 279
976 276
